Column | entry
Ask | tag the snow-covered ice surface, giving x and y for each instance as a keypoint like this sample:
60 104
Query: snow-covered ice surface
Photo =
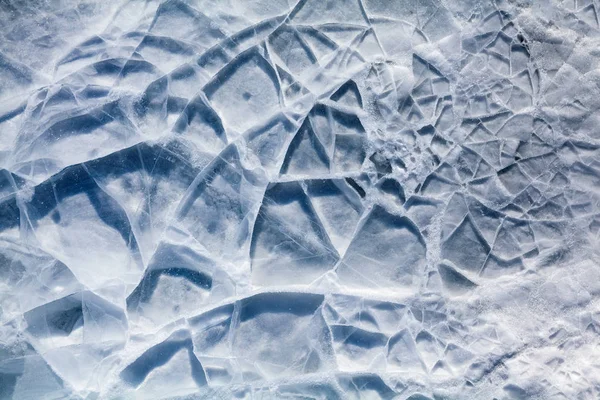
349 199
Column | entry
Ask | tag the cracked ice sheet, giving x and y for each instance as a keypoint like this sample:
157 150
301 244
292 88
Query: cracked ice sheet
352 199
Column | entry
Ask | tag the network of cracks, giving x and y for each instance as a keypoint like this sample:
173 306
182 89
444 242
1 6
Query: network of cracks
328 199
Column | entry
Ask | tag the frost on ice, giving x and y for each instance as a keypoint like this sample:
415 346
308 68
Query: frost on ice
349 199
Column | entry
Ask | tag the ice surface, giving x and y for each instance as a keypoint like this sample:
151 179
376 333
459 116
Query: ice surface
322 199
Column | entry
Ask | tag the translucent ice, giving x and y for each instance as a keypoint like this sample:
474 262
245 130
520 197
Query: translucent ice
321 199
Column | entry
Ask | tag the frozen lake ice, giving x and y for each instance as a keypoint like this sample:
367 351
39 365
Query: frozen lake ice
322 199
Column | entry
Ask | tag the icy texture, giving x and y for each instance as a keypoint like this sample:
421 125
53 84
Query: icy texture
349 199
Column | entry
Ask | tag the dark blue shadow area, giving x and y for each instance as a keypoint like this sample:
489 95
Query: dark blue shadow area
393 187
249 56
358 337
159 355
175 261
295 154
348 89
366 382
63 316
75 180
298 304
